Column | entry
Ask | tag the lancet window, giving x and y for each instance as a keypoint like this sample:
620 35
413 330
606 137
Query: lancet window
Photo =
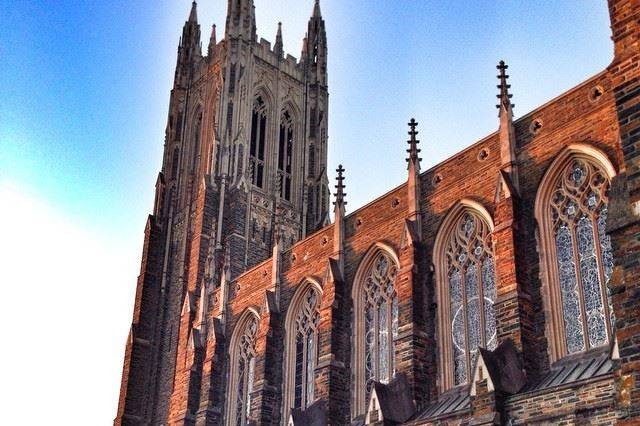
577 214
466 291
376 303
472 293
258 140
285 154
242 374
301 342
306 350
197 136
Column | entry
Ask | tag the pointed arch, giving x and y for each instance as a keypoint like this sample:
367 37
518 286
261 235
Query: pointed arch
260 117
195 135
242 356
375 324
465 290
287 144
263 91
575 252
301 346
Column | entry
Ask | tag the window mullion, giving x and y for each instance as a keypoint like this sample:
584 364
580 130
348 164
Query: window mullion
603 281
390 341
463 288
581 300
481 311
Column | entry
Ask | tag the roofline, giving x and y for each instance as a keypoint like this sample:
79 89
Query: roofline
440 164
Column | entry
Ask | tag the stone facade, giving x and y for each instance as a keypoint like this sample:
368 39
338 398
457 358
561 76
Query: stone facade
221 277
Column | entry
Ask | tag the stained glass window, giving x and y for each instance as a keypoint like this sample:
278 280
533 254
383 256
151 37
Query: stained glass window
380 319
285 155
306 354
472 292
246 355
258 137
578 211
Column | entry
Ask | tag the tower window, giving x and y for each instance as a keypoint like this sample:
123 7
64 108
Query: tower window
174 163
285 154
197 135
258 137
312 160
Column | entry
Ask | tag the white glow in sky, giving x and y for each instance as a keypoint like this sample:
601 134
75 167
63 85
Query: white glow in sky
63 321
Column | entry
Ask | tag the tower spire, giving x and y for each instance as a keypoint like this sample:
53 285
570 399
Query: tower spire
212 41
279 47
241 20
316 10
193 16
506 131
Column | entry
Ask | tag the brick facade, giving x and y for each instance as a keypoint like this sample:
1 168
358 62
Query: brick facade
204 268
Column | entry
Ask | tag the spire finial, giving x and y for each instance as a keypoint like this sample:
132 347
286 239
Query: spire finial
193 16
212 40
340 194
504 96
278 47
316 10
506 131
413 142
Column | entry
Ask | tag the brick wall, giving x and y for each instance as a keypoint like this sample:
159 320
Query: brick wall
602 112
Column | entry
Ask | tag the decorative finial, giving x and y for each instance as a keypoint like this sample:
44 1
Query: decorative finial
212 40
278 47
193 16
413 150
504 96
340 194
316 10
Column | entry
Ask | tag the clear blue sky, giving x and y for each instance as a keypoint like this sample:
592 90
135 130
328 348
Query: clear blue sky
84 91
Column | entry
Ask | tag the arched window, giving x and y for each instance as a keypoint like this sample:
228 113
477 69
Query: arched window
466 291
258 137
572 209
241 379
285 154
301 357
174 163
197 136
376 310
312 161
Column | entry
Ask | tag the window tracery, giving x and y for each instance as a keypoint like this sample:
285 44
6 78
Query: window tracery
578 211
197 135
380 320
258 138
376 323
306 351
472 292
285 154
242 377
302 350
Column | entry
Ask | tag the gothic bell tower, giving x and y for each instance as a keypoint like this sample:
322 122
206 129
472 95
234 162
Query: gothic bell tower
245 154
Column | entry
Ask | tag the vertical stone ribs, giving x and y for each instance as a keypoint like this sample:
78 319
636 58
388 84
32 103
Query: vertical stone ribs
624 221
